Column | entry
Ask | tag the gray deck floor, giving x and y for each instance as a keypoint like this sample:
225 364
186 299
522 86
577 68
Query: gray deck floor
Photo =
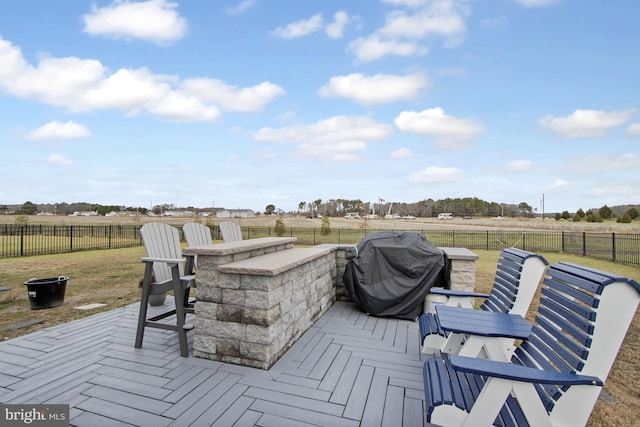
349 369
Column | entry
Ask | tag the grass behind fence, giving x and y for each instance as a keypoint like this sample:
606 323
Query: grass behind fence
31 240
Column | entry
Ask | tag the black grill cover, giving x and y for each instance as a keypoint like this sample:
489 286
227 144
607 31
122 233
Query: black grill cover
390 273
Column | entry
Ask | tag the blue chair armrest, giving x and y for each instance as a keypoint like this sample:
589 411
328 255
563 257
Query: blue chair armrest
511 371
482 323
451 293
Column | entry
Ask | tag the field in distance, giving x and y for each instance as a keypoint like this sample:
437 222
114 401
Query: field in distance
300 221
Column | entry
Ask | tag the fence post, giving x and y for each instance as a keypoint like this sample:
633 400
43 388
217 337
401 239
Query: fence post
71 238
613 246
21 240
584 243
562 241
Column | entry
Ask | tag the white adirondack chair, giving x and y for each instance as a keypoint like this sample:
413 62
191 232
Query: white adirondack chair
196 234
231 232
165 270
556 375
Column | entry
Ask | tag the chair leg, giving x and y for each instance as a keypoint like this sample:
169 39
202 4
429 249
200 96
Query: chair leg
144 301
179 294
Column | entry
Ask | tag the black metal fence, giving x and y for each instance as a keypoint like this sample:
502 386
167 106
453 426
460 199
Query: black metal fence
26 240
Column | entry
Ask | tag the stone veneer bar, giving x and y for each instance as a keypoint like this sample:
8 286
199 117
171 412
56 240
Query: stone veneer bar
462 269
256 297
252 309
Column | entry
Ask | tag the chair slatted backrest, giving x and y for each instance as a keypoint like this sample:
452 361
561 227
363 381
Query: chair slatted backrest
577 328
231 232
162 241
196 234
508 282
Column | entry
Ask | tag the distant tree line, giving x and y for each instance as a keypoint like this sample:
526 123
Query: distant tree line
469 206
464 207
30 208
600 215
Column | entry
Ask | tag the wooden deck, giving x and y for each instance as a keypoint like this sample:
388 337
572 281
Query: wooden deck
349 369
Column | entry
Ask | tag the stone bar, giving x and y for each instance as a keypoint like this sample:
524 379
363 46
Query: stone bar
209 257
338 249
256 297
462 269
251 310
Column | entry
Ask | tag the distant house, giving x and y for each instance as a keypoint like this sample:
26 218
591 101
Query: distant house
120 213
84 213
179 213
235 213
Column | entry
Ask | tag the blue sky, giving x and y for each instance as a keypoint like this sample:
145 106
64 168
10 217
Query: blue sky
257 102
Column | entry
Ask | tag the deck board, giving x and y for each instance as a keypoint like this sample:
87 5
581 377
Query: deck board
348 369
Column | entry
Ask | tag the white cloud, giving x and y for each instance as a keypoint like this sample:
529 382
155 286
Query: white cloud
335 30
339 138
451 132
633 130
83 85
58 131
598 163
381 88
537 3
520 166
440 17
586 123
615 194
559 186
180 107
153 20
401 153
404 30
299 28
241 7
57 159
374 47
436 175
131 90
233 98
62 82
409 3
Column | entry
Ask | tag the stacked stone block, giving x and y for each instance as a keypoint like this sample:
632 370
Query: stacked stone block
251 318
